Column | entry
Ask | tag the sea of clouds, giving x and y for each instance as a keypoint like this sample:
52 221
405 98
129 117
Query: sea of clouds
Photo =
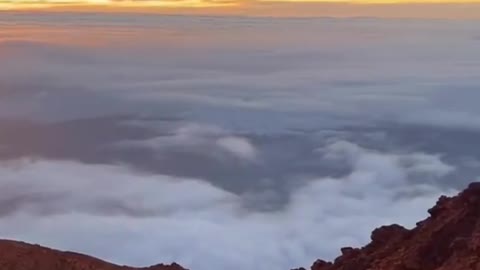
229 143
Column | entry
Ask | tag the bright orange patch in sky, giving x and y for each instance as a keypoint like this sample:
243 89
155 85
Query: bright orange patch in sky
297 8
29 4
19 4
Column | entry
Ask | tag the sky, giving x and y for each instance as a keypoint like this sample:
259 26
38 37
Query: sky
425 9
223 142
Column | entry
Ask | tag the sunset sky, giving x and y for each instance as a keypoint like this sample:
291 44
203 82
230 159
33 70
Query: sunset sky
463 9
243 140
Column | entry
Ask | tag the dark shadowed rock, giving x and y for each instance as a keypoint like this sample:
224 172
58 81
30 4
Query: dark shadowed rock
320 265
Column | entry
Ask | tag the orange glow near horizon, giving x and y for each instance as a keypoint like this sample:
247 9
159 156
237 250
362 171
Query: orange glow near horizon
27 4
462 9
22 5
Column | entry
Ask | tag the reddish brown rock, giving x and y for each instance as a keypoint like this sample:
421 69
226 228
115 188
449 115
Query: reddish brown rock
21 256
448 240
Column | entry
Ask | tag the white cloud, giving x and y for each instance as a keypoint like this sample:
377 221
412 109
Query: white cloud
37 187
421 163
202 138
238 146
403 165
130 217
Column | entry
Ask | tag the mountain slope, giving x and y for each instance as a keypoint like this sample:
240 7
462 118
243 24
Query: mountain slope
21 256
448 240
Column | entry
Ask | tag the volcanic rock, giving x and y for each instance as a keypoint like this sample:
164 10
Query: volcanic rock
448 240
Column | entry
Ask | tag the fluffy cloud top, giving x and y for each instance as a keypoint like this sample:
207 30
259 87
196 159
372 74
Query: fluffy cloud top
238 146
203 138
136 218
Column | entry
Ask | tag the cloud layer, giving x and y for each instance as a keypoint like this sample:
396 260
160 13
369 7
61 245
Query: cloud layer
225 142
191 65
144 218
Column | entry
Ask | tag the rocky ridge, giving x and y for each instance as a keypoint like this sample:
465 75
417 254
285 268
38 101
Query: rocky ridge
447 240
